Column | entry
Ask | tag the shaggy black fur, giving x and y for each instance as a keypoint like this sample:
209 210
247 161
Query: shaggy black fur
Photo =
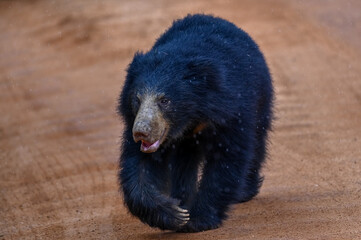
214 74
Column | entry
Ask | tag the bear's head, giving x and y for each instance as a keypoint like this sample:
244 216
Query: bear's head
166 95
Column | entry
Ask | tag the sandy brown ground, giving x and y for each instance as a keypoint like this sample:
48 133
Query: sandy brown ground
62 65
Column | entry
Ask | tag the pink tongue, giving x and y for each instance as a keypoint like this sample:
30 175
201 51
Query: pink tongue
146 145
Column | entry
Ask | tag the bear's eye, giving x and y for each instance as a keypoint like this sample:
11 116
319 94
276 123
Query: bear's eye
135 103
137 100
164 102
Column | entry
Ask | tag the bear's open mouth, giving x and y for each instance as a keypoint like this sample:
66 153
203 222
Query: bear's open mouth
148 147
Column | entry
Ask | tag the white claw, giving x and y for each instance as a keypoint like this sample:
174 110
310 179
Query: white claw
179 209
184 214
184 222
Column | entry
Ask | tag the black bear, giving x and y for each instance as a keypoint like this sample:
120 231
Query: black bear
197 107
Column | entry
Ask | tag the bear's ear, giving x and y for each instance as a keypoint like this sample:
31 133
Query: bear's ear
135 66
137 56
203 72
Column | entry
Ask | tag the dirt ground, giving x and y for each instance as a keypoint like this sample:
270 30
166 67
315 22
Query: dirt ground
62 65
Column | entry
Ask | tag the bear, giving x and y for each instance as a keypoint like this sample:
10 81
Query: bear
197 109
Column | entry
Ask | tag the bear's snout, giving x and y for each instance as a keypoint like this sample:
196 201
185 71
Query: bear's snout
140 136
149 126
141 130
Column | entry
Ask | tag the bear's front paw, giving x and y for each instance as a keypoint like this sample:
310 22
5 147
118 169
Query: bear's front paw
171 217
198 224
181 214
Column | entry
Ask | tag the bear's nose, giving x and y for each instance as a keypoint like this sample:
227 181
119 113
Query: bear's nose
140 136
141 130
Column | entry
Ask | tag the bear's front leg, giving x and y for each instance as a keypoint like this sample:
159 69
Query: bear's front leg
223 174
184 168
141 180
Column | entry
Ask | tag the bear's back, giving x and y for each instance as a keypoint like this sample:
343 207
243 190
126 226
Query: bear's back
204 32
